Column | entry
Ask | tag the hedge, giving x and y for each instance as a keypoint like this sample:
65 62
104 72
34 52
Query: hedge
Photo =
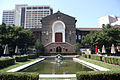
86 55
98 75
6 62
21 58
19 76
96 57
54 53
112 60
32 56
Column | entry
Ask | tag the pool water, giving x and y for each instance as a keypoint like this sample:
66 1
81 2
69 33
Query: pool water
50 66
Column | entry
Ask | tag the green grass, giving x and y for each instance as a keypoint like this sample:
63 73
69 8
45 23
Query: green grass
17 65
102 64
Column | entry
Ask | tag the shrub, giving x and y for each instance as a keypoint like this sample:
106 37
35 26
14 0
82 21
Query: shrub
21 58
19 76
112 60
32 56
6 62
86 56
96 57
98 75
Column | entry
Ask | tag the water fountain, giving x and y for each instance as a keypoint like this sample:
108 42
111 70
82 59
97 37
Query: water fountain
59 58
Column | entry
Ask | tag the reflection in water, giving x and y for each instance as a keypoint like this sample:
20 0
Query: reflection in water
50 66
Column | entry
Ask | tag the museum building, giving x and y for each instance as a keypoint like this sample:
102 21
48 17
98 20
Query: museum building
59 33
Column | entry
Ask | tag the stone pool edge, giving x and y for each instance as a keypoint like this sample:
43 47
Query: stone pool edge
90 65
25 66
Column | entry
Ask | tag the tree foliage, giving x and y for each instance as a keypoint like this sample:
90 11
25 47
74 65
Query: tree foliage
77 47
13 36
39 47
107 36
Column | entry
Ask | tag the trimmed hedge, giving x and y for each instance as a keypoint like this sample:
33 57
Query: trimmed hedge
98 75
6 62
96 57
112 60
48 54
21 58
86 56
19 76
32 56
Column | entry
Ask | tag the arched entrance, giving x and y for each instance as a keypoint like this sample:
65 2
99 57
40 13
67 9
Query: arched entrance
58 31
58 49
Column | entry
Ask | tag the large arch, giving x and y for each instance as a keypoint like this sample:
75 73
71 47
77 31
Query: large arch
58 27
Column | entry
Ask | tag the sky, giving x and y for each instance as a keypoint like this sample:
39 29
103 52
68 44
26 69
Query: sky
86 12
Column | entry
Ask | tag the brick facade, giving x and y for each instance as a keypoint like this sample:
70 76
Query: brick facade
70 32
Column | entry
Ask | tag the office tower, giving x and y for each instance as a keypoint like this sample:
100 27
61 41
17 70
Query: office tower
27 16
34 14
8 17
18 14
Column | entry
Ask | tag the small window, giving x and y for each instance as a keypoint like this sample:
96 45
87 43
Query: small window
50 50
79 37
76 37
66 50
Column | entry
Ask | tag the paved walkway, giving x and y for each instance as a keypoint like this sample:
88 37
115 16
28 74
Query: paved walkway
63 76
25 66
91 65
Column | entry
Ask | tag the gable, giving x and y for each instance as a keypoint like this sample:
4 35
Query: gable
59 16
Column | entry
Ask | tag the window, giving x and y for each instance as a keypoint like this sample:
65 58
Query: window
28 7
76 37
79 37
46 7
34 7
66 50
40 7
50 50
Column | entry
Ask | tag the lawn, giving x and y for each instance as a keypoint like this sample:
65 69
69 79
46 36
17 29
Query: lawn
112 67
17 65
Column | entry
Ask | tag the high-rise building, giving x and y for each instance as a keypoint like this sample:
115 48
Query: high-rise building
18 14
27 16
8 17
33 15
110 19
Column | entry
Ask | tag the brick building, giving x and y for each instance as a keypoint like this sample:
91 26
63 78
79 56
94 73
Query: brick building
59 33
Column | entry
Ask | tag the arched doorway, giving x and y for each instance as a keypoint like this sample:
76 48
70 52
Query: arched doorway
58 49
58 31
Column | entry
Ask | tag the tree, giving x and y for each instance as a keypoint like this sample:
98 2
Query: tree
107 36
13 36
39 47
77 47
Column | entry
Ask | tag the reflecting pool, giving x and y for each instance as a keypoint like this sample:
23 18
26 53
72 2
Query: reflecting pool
51 66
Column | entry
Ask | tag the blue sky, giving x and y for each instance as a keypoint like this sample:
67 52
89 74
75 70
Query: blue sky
86 12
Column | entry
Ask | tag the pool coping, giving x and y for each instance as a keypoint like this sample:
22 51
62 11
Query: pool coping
25 66
90 65
62 76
